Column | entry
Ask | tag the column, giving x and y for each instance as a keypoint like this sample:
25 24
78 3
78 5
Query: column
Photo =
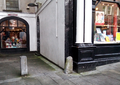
88 21
80 21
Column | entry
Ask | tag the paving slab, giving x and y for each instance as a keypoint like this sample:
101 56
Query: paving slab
44 80
20 82
106 80
43 72
112 74
54 77
92 80
60 80
31 81
79 81
8 71
66 82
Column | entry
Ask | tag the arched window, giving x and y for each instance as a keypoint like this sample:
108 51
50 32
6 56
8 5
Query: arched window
13 34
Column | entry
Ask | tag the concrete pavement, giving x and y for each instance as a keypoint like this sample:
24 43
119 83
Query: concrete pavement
42 72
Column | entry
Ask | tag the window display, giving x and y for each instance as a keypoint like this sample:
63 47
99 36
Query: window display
13 34
107 23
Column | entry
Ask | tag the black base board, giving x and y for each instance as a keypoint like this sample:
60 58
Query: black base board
84 66
14 50
91 65
104 61
107 55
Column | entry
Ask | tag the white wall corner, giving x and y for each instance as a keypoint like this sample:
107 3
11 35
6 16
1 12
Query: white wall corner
88 21
80 21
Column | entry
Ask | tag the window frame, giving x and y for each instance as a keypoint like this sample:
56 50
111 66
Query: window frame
5 5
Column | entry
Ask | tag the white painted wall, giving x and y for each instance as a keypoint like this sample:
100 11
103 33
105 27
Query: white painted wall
30 18
52 31
80 21
84 27
88 21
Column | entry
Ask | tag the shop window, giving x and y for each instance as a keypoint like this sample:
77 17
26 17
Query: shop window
12 5
21 24
13 23
13 34
5 23
107 23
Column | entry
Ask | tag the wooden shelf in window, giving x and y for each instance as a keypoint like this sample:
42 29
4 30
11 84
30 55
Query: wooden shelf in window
112 42
107 25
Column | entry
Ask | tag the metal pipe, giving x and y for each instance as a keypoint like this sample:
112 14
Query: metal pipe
56 18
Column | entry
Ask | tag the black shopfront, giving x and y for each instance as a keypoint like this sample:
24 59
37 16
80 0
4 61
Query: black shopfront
105 42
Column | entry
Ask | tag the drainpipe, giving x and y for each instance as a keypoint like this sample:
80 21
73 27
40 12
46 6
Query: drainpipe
56 18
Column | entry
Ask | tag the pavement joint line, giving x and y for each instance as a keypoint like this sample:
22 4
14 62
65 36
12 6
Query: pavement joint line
43 74
10 80
49 63
72 82
54 80
7 61
100 69
61 78
110 76
88 81
67 80
17 79
32 76
89 73
115 71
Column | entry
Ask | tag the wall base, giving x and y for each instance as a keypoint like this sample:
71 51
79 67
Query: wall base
91 65
84 66
87 56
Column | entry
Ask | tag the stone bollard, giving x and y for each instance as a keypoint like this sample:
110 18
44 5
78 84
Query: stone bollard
24 68
69 65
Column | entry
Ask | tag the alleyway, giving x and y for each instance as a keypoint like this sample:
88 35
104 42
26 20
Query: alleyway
42 72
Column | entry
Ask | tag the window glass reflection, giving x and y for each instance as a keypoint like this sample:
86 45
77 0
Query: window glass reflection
13 36
21 24
107 23
13 23
5 23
